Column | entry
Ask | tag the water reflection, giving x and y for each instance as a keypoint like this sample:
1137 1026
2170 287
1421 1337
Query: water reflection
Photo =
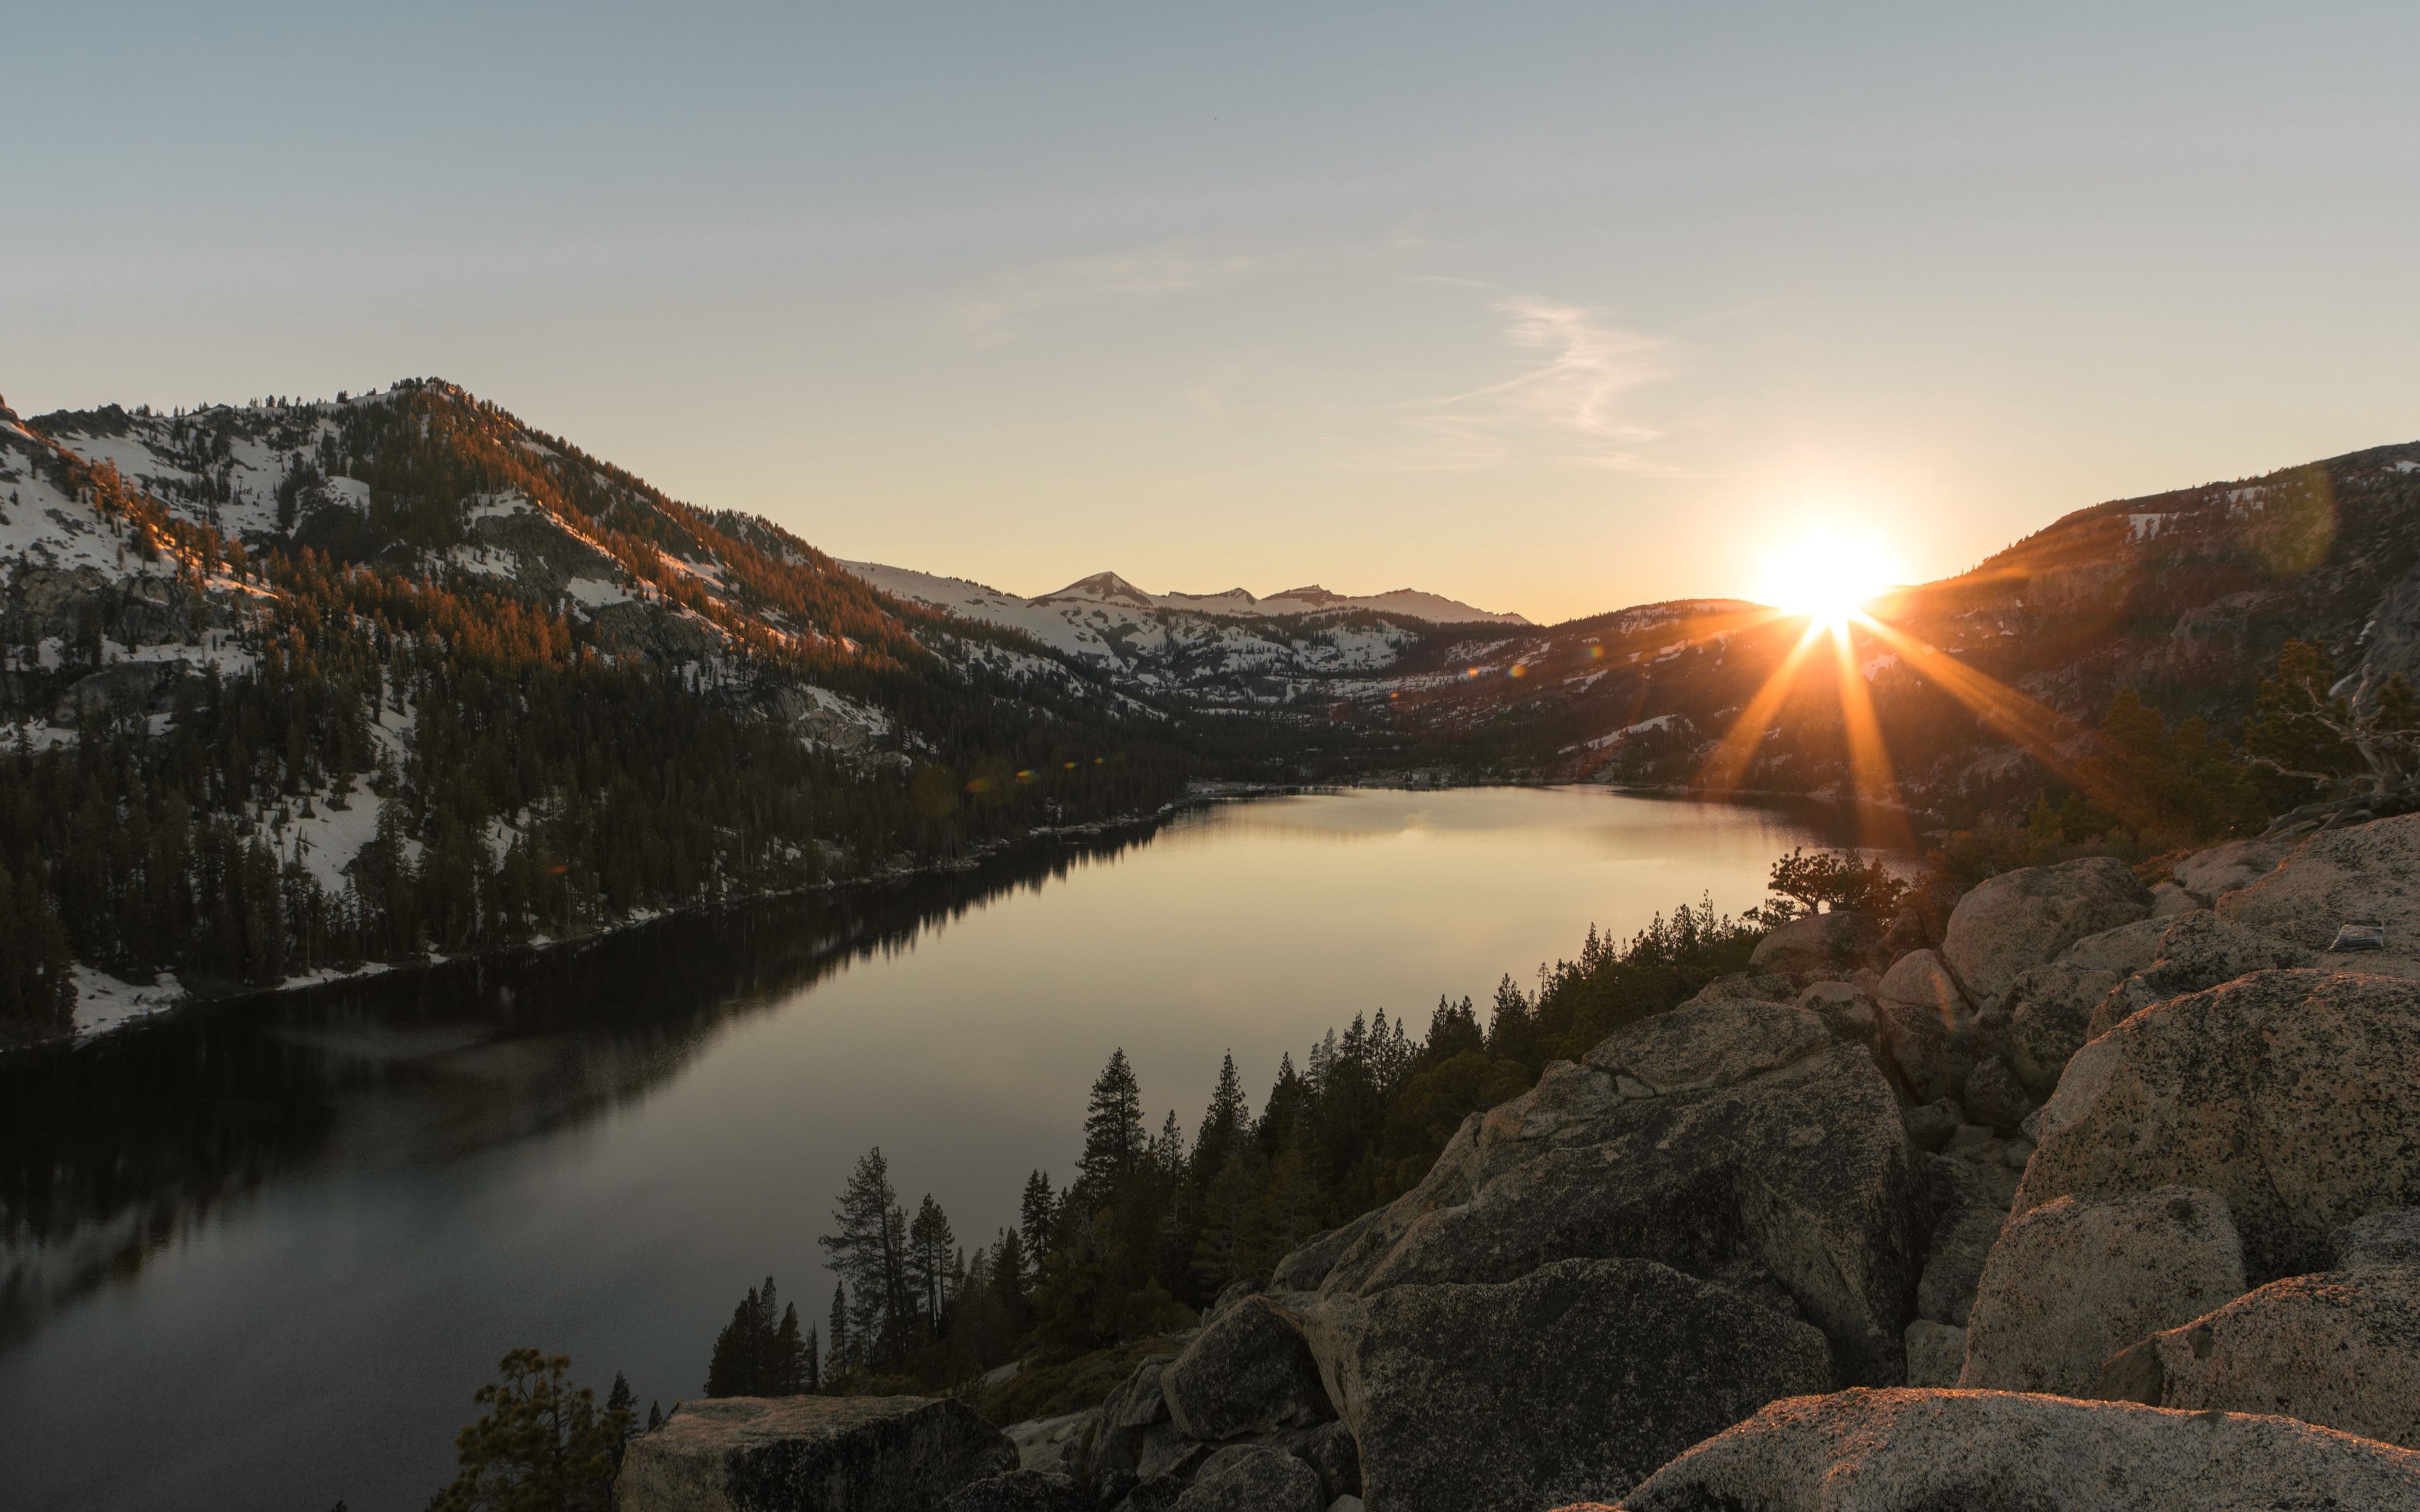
111 1149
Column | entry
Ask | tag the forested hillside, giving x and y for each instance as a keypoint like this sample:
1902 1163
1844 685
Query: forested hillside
1983 687
291 687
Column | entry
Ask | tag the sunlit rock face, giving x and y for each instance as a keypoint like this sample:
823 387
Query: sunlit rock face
1928 1451
2292 1095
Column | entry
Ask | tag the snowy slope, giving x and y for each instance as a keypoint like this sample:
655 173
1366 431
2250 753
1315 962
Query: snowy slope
1224 649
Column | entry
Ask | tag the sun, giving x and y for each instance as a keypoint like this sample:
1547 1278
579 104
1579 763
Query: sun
1827 577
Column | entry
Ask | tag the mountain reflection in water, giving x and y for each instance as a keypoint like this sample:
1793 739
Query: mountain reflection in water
112 1149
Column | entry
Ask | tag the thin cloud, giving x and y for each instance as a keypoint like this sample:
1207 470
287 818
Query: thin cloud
1566 404
1012 299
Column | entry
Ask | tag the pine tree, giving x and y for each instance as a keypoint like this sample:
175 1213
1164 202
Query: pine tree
930 1244
1037 1215
836 1356
789 1361
620 1410
1113 1132
542 1443
870 1253
1224 1124
746 1359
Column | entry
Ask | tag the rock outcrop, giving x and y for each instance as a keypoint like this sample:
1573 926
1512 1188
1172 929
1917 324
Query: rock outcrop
2200 951
1247 1369
2368 871
810 1454
2025 918
2212 873
2340 1349
1252 1478
2292 1095
1573 1382
1816 942
1927 1026
1019 1491
1733 1140
1932 1451
2076 1280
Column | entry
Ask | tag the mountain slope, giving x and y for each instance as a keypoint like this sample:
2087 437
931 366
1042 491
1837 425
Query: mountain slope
2182 596
293 687
1224 656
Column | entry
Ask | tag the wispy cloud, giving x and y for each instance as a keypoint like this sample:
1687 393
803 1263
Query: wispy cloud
1012 299
1565 402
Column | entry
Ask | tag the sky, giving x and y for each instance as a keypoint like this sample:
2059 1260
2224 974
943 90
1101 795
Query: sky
1549 308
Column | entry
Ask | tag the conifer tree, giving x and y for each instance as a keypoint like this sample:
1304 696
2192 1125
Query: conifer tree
869 1253
789 1356
1037 1215
620 1411
542 1443
1224 1123
1113 1132
836 1356
930 1244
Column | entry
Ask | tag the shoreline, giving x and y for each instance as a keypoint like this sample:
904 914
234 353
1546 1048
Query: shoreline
138 1012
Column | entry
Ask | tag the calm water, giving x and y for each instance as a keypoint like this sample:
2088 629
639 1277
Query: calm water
259 1258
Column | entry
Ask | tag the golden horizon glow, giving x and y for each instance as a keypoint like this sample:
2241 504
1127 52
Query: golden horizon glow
1827 577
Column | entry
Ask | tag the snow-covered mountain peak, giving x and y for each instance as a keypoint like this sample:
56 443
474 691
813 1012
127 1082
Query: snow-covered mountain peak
1102 587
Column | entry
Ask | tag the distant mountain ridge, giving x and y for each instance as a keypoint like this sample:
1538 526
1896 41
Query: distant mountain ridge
1228 649
1109 588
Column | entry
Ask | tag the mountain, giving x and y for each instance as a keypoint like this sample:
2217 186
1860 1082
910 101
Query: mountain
294 686
1225 650
1109 588
2181 596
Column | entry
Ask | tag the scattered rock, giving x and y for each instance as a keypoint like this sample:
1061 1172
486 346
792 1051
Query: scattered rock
1126 1415
2049 1016
1157 1494
2292 1095
1967 1219
1247 1368
2366 871
1252 1478
1052 1444
2127 947
1169 1452
1019 1491
2200 951
2222 869
1573 1382
1937 1451
2388 1238
1931 1124
1926 1023
1330 1452
1750 1147
880 1453
1845 1009
2340 1349
1817 942
1935 1354
2169 900
1303 1270
2026 918
2076 1280
1995 1098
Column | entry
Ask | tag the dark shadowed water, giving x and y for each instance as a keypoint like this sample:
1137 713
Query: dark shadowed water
257 1257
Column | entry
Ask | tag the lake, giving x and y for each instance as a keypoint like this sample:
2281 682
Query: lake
259 1255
